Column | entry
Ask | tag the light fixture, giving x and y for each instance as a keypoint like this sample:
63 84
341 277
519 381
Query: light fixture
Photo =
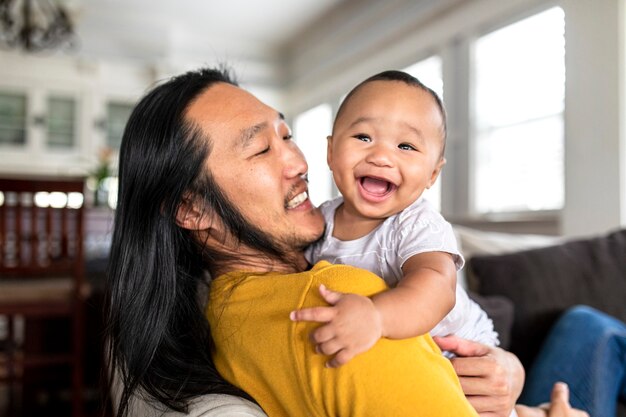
35 25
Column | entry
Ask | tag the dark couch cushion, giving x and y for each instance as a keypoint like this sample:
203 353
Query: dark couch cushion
500 310
542 283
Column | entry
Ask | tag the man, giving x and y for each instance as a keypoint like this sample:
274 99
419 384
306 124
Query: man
210 180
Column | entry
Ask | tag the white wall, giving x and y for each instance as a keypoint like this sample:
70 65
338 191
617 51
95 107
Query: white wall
595 110
622 80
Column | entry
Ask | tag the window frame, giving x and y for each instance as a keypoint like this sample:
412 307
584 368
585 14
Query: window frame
7 90
76 139
107 120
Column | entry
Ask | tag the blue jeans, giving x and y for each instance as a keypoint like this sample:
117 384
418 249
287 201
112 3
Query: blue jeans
587 349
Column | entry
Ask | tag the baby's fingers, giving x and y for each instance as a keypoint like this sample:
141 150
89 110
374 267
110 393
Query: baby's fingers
330 296
341 358
316 314
323 334
329 348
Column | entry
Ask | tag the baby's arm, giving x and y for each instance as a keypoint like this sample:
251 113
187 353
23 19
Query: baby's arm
353 323
421 299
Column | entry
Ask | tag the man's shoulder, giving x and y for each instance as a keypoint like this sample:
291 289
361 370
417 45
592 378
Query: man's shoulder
222 405
208 405
347 278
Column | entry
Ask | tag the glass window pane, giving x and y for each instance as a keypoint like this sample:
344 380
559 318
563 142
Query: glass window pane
519 92
61 122
310 131
117 117
429 72
520 71
520 167
12 119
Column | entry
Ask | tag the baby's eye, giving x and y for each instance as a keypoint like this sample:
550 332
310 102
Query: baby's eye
363 138
407 147
288 137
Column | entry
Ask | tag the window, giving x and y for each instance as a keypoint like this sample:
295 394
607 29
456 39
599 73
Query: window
12 119
429 72
117 117
61 122
311 129
519 85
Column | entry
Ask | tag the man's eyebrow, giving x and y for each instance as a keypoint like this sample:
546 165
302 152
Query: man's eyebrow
246 135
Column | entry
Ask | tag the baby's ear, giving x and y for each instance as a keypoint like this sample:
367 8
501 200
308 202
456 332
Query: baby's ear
191 215
329 151
436 172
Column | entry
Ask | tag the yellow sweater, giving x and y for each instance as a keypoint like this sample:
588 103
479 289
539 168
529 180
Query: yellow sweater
270 357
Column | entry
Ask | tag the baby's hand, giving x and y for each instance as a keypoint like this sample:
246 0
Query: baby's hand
353 325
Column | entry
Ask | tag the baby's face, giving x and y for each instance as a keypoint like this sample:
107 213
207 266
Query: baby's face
386 148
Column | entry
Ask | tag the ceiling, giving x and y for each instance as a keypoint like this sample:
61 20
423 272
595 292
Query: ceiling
186 29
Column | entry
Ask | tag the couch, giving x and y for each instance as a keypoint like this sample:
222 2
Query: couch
525 282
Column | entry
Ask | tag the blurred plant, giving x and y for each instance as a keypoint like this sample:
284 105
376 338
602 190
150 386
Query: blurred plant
101 172
103 169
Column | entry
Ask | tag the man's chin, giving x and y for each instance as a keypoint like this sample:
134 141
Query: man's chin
300 241
314 238
318 236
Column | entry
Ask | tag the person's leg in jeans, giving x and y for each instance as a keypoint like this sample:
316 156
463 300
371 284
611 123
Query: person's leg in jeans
586 349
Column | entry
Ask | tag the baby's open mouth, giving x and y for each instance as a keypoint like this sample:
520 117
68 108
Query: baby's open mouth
377 186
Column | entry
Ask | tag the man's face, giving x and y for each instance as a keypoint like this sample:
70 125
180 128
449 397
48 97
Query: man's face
257 165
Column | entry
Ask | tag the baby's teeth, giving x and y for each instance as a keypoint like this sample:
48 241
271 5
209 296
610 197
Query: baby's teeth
297 200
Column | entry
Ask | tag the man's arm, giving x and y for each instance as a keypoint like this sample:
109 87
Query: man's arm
491 378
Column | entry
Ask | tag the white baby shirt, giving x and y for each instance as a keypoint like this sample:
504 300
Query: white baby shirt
417 229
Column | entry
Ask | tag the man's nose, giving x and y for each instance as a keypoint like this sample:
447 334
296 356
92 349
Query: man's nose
295 164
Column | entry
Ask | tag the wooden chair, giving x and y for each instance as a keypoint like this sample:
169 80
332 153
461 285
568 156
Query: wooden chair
41 274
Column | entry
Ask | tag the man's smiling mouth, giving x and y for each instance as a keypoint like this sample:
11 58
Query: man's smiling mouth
297 200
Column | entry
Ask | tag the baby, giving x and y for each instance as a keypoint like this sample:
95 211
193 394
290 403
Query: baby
386 148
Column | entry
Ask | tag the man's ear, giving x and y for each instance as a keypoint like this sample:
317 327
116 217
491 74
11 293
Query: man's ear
192 216
436 172
329 151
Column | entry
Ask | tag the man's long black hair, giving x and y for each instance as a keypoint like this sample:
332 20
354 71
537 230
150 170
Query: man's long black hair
158 339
